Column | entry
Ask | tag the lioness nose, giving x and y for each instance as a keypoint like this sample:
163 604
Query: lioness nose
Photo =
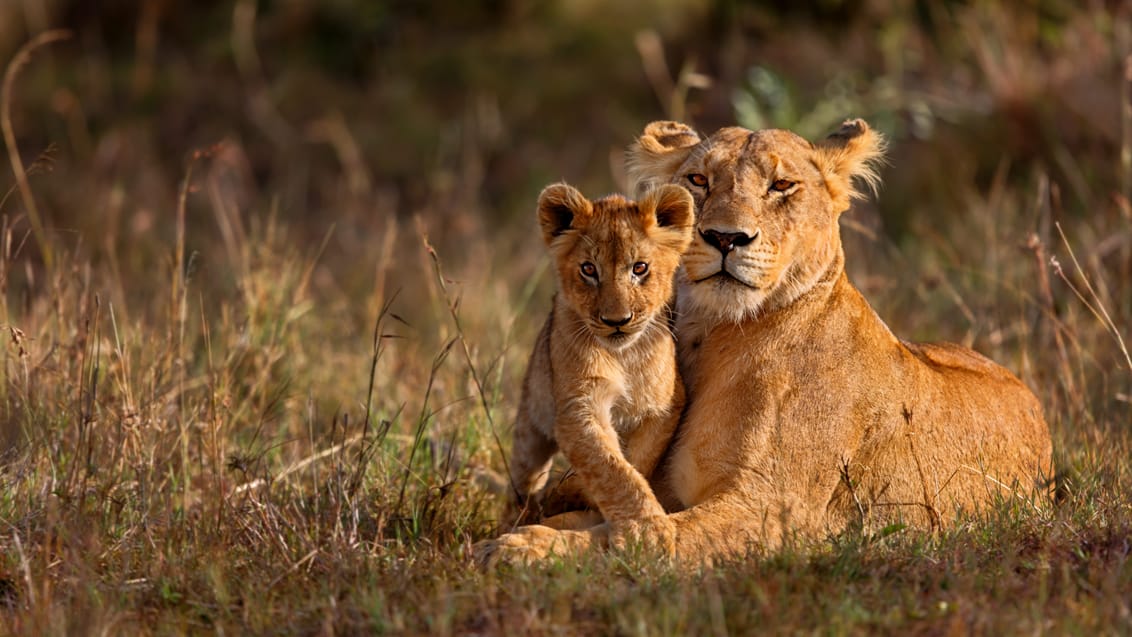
617 321
726 241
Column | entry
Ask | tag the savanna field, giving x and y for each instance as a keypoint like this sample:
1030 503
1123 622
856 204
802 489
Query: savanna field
270 274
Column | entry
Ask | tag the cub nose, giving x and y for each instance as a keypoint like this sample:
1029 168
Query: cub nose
726 241
617 321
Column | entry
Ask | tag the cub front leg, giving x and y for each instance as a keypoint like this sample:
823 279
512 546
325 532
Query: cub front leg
586 436
644 447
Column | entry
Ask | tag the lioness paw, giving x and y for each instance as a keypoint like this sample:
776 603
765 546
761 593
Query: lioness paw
652 534
527 545
505 549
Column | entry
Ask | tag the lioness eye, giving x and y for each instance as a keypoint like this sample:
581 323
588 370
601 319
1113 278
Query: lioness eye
589 269
640 268
782 185
698 180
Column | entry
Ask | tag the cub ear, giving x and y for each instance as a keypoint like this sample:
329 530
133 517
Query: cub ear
657 153
558 206
852 152
672 210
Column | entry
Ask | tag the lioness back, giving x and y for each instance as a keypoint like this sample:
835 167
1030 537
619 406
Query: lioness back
602 383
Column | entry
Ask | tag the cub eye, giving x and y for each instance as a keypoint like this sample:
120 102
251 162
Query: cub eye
589 269
640 268
782 185
698 180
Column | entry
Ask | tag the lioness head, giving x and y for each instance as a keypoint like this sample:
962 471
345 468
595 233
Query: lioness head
767 207
616 258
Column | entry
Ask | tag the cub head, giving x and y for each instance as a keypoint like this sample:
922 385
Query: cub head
767 205
615 258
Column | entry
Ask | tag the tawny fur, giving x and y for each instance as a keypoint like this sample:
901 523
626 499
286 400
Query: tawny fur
602 383
805 413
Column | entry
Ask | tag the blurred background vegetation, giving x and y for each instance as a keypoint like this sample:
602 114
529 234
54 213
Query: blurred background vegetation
349 112
369 124
333 154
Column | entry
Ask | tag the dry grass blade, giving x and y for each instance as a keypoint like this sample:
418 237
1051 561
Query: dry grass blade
24 567
377 348
1066 376
672 95
298 466
1095 306
481 390
22 57
423 418
1126 130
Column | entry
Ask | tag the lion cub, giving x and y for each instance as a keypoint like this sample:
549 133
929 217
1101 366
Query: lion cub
602 383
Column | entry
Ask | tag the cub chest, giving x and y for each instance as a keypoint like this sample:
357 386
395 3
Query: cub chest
646 381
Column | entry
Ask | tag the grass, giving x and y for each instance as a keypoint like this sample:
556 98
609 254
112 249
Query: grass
221 412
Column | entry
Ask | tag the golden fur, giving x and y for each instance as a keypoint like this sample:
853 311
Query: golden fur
805 413
602 383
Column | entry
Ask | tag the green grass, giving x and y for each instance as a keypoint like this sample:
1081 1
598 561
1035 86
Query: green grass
267 386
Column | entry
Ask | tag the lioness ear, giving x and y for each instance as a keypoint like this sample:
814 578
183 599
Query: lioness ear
672 210
850 153
657 153
558 205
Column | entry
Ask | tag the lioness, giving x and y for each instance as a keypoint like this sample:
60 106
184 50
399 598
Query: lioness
805 413
602 377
